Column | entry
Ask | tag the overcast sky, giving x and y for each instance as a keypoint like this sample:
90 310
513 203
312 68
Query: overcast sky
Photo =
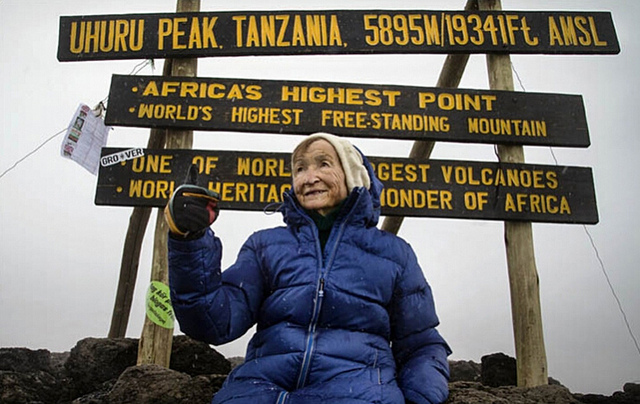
60 254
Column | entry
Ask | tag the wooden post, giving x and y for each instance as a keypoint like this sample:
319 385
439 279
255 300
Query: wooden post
155 342
132 246
131 255
523 276
128 271
450 77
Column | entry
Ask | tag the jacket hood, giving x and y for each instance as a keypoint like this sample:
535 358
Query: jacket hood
365 203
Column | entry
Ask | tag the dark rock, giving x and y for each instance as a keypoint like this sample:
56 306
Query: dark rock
590 398
498 370
477 393
25 360
628 396
94 364
197 358
236 361
552 394
102 371
100 396
471 393
94 361
27 376
57 362
464 371
152 384
632 389
553 381
33 387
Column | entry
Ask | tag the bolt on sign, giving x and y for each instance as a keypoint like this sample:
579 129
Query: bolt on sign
254 181
174 35
358 110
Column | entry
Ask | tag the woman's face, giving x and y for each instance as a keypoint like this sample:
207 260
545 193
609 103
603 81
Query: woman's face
318 179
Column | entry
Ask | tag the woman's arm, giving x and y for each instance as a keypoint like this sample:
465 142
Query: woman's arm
419 350
210 306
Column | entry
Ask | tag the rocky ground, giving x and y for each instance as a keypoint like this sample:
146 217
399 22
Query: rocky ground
103 371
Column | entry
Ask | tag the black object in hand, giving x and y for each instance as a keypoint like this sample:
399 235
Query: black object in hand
191 208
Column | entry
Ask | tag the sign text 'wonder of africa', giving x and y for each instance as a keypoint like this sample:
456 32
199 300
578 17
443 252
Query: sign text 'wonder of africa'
146 36
412 187
360 110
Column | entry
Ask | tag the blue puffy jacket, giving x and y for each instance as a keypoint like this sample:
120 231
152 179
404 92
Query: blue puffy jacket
353 324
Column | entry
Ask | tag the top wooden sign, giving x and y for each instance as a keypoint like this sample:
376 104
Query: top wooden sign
206 34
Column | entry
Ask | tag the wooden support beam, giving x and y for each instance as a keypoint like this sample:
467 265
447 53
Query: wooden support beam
155 342
450 76
138 222
523 276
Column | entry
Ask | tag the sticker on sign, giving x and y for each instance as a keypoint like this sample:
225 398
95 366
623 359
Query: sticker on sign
124 155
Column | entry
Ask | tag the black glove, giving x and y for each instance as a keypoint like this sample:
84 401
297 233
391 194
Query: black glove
191 210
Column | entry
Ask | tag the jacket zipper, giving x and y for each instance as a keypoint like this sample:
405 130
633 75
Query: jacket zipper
306 361
282 397
308 352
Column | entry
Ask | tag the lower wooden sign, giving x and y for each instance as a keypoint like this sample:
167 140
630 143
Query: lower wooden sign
412 187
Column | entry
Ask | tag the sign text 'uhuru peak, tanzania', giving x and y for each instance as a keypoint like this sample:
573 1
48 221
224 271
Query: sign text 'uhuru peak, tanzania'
412 187
144 36
397 112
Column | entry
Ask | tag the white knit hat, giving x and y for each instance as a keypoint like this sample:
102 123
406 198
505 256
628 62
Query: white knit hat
352 164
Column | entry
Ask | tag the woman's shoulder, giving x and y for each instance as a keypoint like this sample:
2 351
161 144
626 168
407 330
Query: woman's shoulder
383 244
269 235
385 237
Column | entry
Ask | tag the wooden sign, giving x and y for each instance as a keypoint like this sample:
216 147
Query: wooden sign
174 35
413 187
359 110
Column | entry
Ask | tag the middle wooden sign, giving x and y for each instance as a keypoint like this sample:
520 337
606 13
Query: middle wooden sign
358 110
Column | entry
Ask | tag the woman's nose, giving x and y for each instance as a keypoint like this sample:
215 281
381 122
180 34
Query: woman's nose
310 176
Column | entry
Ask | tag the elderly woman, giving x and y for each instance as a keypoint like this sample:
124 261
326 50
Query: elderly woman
343 311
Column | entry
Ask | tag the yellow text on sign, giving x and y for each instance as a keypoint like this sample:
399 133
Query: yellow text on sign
459 102
284 31
432 199
205 164
201 90
400 172
106 36
574 31
509 177
447 29
263 167
249 191
184 33
152 164
537 203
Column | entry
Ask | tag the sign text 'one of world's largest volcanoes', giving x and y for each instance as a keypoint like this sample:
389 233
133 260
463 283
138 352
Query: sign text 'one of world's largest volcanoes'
205 34
359 110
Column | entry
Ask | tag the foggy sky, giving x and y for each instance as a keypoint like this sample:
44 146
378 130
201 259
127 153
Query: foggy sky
60 254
